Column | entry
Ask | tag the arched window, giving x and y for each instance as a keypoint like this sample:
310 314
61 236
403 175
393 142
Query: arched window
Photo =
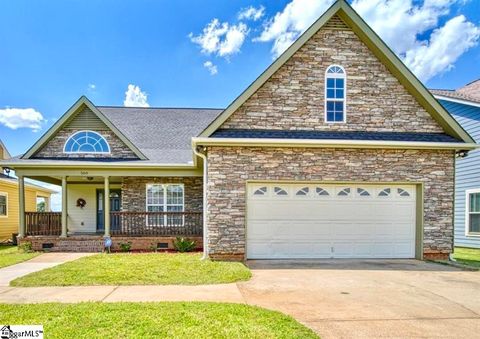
86 142
335 92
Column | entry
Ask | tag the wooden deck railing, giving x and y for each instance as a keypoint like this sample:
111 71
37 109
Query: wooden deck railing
43 223
156 224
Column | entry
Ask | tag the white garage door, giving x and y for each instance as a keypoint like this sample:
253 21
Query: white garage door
330 221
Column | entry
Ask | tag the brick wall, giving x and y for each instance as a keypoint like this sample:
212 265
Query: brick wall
95 243
293 98
134 192
227 180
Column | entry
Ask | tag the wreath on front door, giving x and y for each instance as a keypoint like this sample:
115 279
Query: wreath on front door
81 203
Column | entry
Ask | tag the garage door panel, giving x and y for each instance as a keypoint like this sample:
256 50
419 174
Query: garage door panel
322 224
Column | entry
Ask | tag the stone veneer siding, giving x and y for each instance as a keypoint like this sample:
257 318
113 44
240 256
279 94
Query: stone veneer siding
134 192
54 148
293 98
231 168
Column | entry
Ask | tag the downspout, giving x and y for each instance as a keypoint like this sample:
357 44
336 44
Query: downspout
200 151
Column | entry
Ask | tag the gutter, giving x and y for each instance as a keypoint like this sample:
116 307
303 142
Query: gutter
329 143
202 155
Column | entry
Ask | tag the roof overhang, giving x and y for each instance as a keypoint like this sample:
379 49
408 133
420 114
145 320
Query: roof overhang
84 164
66 117
458 101
309 143
413 85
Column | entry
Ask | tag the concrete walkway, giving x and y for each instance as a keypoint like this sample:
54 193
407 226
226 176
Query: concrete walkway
338 299
39 263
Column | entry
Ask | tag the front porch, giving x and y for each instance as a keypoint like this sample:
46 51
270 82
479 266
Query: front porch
147 212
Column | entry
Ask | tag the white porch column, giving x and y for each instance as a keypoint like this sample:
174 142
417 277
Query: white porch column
64 207
106 209
21 206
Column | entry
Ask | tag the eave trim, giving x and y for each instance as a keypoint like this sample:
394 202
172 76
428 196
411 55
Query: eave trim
309 143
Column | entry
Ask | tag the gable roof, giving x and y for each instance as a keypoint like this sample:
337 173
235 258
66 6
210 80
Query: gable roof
164 135
377 46
6 154
83 101
456 95
155 135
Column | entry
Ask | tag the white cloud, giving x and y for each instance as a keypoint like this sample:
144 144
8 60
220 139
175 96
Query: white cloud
134 97
398 22
211 67
288 24
15 118
222 39
91 87
437 55
251 13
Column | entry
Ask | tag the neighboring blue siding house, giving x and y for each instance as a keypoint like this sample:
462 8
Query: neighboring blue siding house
465 108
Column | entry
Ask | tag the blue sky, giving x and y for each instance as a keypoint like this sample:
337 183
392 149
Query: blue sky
52 52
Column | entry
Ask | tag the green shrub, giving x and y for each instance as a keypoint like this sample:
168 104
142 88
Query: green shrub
25 247
184 244
125 246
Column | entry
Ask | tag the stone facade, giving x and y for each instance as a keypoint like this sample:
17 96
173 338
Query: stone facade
293 98
230 169
134 192
54 148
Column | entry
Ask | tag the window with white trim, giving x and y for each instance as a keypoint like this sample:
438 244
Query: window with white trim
165 198
335 94
86 142
3 204
473 212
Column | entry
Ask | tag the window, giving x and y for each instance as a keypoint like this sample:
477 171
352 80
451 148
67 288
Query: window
280 191
335 93
473 213
385 192
260 191
3 204
320 191
165 198
42 204
303 191
401 192
363 192
86 142
345 192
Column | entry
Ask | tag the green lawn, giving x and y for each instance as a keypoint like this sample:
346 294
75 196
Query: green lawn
154 320
138 269
10 255
467 256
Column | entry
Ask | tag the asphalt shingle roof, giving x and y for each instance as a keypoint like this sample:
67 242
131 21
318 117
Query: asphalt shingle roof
163 135
455 95
334 135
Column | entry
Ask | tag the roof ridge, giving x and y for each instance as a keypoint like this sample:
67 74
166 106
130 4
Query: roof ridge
158 107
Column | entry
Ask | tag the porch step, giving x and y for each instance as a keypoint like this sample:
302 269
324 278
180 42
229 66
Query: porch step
70 245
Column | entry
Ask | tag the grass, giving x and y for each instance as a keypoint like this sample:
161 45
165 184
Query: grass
137 269
155 320
10 255
467 256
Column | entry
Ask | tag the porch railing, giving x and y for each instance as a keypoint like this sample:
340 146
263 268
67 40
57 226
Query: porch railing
43 223
156 224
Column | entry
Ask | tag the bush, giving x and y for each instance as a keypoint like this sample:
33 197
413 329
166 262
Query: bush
183 244
25 247
125 246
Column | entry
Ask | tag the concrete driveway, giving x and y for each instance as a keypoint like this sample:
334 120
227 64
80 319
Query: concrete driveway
370 298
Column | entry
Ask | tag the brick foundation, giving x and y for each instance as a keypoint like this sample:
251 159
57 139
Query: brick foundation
95 243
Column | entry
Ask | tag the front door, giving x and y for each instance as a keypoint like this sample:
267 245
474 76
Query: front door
115 206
